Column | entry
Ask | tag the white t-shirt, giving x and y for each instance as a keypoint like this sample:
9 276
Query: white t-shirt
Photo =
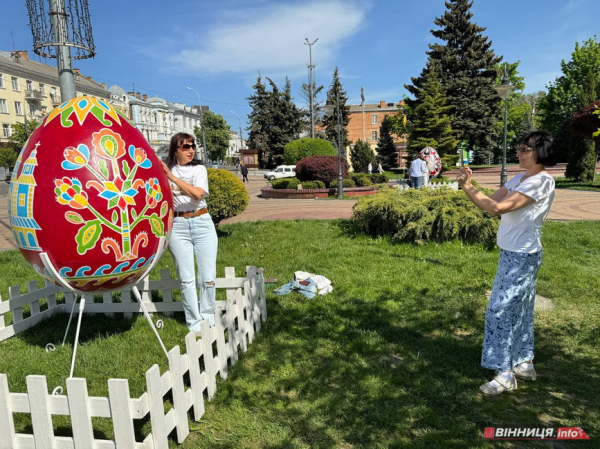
194 175
521 230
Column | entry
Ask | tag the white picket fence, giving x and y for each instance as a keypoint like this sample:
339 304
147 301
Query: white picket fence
402 184
237 320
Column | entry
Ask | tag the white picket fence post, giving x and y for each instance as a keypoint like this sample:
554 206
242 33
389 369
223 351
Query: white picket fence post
245 305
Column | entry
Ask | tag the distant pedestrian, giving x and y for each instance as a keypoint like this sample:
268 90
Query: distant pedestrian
244 173
416 170
370 168
379 168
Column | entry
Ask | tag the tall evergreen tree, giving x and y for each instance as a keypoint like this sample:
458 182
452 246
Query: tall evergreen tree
361 155
387 155
467 73
430 124
274 121
336 101
260 120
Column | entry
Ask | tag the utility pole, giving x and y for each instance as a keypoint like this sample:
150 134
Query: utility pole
311 84
204 149
62 32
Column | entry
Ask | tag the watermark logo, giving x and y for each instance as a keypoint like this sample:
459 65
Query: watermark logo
534 433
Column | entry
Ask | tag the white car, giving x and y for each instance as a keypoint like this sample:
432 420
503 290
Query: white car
281 171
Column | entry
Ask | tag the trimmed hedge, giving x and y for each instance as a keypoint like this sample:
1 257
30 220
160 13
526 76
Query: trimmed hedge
345 183
320 168
285 183
313 185
379 178
306 147
424 215
228 196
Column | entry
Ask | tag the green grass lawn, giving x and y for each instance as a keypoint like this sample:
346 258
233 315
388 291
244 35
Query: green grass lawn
564 183
390 358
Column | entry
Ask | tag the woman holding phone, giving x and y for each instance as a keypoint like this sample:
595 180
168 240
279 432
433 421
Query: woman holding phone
523 204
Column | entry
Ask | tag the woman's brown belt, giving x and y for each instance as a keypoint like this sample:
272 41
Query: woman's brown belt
192 213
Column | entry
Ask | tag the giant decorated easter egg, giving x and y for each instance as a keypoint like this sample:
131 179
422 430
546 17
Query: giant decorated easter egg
89 203
432 158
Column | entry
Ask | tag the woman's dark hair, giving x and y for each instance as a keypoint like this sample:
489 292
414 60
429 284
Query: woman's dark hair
176 141
541 142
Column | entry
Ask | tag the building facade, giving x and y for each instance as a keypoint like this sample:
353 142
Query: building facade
29 90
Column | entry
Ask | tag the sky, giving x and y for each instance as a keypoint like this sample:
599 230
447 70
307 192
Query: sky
218 47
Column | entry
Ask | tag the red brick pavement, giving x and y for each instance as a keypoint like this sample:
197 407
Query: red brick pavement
568 205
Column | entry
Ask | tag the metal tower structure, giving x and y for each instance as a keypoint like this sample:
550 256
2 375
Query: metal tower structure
61 29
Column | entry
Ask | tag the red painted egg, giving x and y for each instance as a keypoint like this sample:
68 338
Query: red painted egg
89 204
432 158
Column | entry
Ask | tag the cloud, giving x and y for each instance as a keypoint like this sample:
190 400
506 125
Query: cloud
271 39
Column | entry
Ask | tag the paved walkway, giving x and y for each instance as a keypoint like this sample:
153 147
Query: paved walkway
568 205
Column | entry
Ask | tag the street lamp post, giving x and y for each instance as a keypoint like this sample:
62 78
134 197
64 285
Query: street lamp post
340 192
310 85
241 136
504 90
204 149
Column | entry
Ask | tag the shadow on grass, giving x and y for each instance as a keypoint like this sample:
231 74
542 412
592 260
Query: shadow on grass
398 370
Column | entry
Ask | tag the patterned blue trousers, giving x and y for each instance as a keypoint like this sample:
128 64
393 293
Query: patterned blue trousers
508 336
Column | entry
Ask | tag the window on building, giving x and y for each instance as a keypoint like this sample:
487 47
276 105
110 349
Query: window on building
374 135
3 107
15 83
18 108
5 130
1 81
374 119
29 86
31 109
42 89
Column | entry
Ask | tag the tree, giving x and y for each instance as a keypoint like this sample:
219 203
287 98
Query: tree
565 95
361 155
336 101
260 120
430 124
274 121
386 150
8 157
20 134
582 157
466 63
217 134
306 93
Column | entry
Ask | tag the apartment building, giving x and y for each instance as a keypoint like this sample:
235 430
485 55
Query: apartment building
30 89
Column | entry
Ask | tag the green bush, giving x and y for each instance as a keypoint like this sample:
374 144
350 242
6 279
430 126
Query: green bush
345 183
285 183
228 196
424 215
379 178
313 185
362 181
306 147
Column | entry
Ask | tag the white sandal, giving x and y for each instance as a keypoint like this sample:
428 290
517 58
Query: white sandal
505 385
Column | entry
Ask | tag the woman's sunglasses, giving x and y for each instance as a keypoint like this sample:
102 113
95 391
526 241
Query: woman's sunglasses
187 146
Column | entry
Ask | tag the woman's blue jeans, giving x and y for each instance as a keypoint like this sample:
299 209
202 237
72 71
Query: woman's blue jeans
196 238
